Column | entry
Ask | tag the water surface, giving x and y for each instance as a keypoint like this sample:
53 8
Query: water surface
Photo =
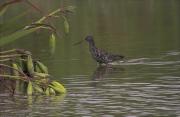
148 84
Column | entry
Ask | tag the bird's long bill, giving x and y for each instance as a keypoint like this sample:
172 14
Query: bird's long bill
77 43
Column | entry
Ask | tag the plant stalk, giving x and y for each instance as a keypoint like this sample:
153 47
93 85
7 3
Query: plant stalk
14 77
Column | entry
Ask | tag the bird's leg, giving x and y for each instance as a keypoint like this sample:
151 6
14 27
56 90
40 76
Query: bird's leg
98 64
108 65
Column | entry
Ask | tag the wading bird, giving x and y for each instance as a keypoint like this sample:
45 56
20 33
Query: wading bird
101 56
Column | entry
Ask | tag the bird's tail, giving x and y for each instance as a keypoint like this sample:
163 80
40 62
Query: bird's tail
118 57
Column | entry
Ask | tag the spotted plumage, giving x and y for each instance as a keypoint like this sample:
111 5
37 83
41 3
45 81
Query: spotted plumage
99 55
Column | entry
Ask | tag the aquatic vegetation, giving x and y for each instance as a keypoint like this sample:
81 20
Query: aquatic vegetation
52 43
29 76
43 23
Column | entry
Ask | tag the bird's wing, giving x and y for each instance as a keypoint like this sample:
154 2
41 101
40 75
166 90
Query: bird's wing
110 57
103 55
114 57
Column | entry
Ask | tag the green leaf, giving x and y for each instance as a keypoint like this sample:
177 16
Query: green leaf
51 91
47 91
59 88
29 88
38 89
21 33
41 75
30 66
52 43
15 70
66 25
42 67
16 35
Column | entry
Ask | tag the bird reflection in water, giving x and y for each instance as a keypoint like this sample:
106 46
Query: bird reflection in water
103 70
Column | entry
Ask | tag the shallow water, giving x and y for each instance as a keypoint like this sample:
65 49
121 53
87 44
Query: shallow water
146 84
144 87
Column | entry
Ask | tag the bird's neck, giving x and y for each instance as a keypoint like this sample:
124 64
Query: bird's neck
91 44
92 48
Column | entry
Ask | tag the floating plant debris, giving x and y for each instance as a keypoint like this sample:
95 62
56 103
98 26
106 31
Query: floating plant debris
28 75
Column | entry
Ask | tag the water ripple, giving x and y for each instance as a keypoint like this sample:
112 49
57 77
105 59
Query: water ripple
144 87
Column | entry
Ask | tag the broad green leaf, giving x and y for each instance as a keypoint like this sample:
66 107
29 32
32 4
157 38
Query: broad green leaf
52 43
38 89
47 92
15 69
59 88
21 33
30 66
16 35
29 88
51 91
42 67
66 25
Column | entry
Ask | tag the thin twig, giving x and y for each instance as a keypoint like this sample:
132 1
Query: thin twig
10 56
9 3
14 77
3 60
49 15
8 51
7 66
18 51
41 25
34 6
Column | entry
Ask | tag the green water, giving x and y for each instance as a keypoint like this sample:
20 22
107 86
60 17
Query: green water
145 31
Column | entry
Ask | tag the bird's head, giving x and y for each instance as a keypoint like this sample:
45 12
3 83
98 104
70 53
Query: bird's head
90 39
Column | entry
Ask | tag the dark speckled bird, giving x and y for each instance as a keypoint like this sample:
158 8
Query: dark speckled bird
99 55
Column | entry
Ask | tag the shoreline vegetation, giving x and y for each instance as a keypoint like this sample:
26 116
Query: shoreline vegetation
45 22
29 76
20 73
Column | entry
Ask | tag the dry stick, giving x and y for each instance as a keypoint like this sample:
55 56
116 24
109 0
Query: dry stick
25 76
43 19
49 15
42 25
3 60
14 77
34 6
10 2
38 9
8 51
18 51
10 56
